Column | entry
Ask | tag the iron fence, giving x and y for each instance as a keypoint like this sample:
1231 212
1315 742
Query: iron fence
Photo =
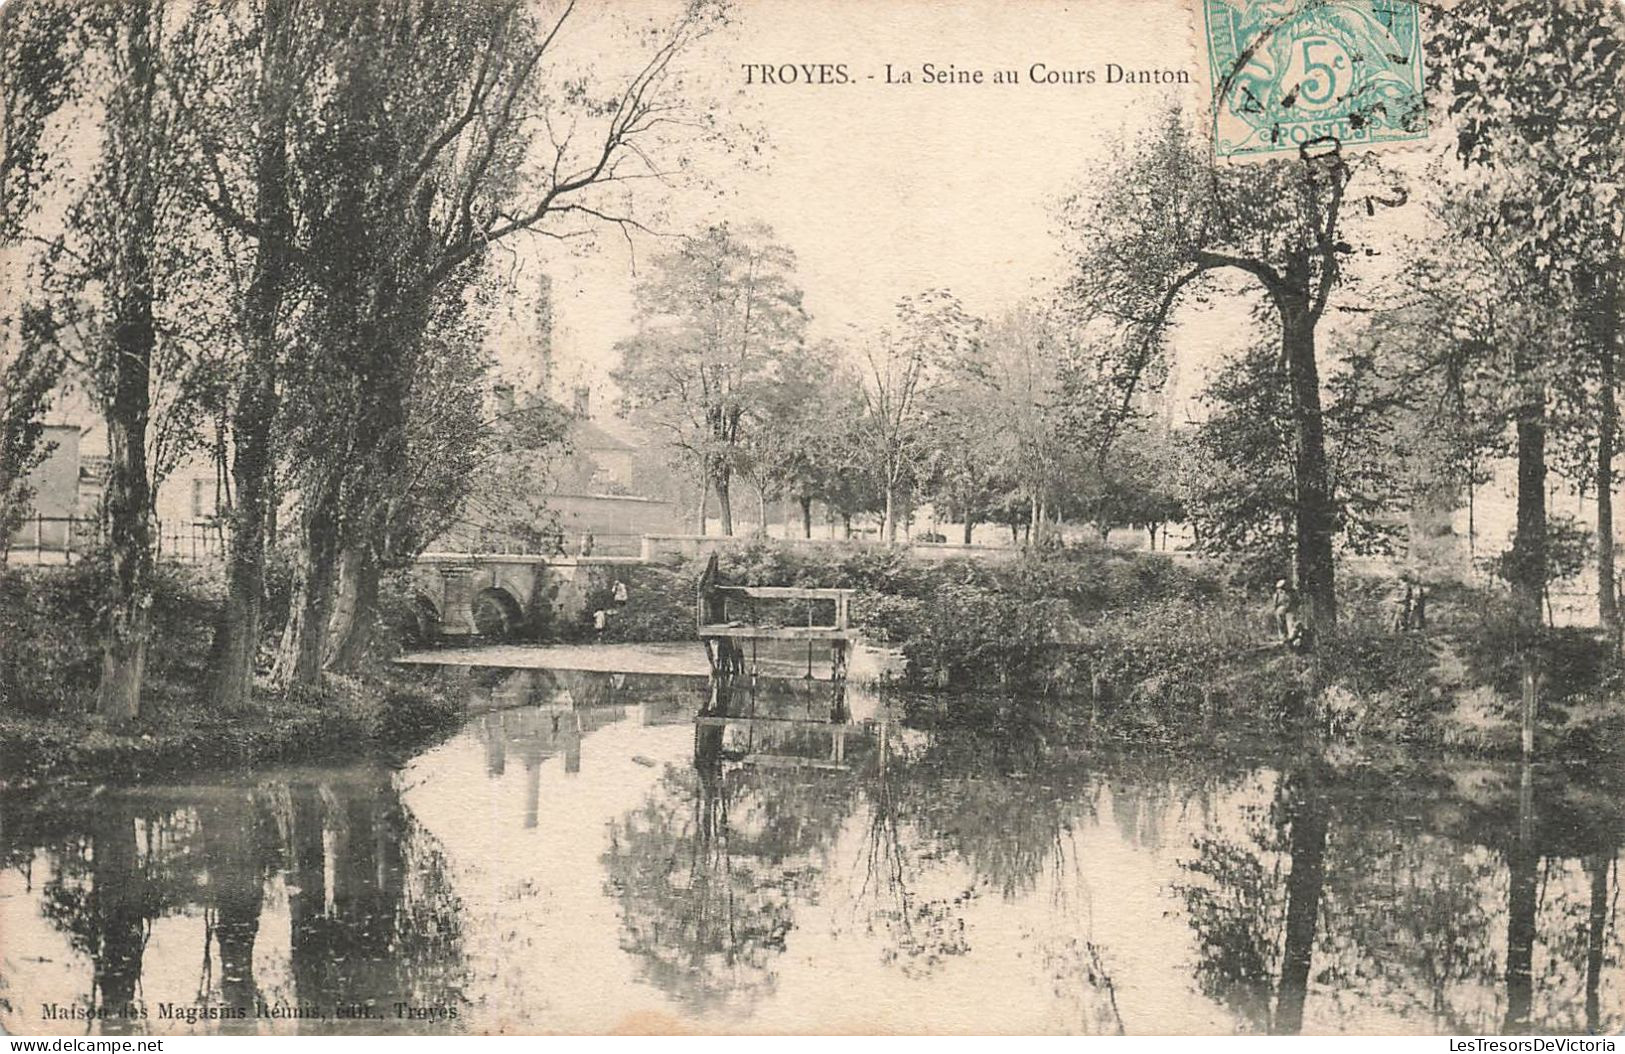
65 539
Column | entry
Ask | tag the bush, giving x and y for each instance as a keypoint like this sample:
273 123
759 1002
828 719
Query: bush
659 605
50 650
1012 627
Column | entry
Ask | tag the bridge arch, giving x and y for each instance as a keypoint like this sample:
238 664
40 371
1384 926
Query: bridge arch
417 621
497 614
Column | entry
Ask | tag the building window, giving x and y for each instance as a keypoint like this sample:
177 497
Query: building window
202 499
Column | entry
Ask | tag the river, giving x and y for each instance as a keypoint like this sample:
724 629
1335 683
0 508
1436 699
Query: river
578 857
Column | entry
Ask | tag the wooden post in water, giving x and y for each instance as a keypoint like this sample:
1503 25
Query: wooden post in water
1531 701
1094 702
1596 868
1522 895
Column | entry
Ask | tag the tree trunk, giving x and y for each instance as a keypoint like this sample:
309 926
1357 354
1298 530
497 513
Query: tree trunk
304 639
1303 889
761 511
846 525
237 635
126 619
970 525
355 605
1604 322
1313 496
1529 547
705 496
126 626
1472 515
806 517
889 522
725 509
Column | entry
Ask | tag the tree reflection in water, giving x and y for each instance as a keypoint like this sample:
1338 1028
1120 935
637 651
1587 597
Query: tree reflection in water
1380 895
371 918
709 870
1310 893
919 932
388 927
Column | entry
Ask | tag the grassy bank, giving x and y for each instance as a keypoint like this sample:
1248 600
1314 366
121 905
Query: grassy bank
50 661
1092 641
1084 644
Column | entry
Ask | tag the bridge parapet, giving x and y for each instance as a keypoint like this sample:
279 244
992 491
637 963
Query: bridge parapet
499 594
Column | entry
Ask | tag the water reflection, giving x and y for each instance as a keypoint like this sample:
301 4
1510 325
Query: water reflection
171 895
1396 900
584 852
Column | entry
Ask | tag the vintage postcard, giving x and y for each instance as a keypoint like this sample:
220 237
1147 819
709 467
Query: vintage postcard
791 517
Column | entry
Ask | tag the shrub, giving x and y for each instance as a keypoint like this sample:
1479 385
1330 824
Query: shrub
50 650
659 604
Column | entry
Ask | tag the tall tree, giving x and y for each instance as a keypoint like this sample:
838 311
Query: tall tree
1167 216
1491 336
427 133
118 222
39 76
286 38
1537 92
905 369
1027 360
794 451
718 319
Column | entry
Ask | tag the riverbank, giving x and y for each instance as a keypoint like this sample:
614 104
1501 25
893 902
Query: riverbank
383 715
1093 642
1088 645
50 660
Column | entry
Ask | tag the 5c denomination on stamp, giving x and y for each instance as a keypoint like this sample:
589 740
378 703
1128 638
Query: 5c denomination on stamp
1289 72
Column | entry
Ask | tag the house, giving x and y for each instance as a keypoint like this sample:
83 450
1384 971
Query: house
603 487
54 487
65 510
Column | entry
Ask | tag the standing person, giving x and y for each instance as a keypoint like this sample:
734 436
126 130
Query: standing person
1285 609
1402 600
585 548
1419 606
620 596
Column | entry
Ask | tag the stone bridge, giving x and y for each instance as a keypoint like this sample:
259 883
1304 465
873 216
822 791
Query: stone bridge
501 596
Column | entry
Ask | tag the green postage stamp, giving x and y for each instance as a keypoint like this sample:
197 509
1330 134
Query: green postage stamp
1286 73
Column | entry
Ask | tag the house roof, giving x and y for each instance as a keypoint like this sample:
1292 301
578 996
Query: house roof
593 435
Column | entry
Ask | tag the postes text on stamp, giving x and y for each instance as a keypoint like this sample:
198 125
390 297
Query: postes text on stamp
1285 73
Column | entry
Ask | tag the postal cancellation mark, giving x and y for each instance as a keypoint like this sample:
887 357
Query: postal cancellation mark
1285 73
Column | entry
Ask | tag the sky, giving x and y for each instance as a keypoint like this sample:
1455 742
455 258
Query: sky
883 190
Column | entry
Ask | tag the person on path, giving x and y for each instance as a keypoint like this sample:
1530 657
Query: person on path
1285 611
1401 601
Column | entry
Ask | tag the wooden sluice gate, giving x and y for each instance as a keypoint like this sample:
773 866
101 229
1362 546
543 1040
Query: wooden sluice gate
750 695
